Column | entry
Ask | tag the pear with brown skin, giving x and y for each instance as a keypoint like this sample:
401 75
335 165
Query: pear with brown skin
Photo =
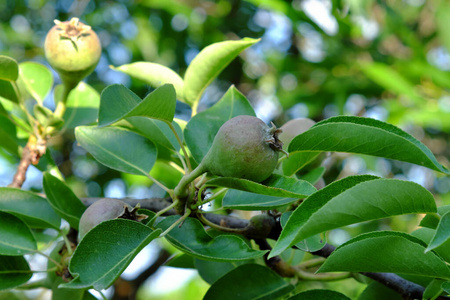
244 147
73 49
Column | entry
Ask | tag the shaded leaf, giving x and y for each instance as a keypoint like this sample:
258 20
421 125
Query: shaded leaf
314 175
319 294
446 287
208 64
16 237
376 291
154 75
297 161
31 208
433 289
203 127
118 148
63 200
8 137
37 80
14 271
389 251
353 199
210 271
82 105
365 136
275 185
117 103
9 69
253 201
249 281
426 235
8 91
192 239
310 244
432 220
105 252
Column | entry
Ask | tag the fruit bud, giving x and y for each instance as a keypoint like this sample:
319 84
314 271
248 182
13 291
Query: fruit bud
73 49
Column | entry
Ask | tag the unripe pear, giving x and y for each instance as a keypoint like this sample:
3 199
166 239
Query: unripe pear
244 147
293 128
104 210
73 49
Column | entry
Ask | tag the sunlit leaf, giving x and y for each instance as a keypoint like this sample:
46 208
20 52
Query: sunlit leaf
37 80
353 199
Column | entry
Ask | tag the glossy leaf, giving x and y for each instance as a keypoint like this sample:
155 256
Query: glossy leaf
63 200
154 75
105 252
275 185
9 69
82 105
203 127
235 199
16 237
248 282
353 199
192 239
37 80
365 136
31 208
118 148
9 91
117 103
389 251
8 137
319 294
208 64
297 161
442 234
14 271
157 131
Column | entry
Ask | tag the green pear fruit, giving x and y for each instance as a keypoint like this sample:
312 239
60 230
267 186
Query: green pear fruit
244 147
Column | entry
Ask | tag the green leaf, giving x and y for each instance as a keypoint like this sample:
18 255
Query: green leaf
310 244
353 199
235 199
45 117
192 239
208 64
203 127
314 175
37 80
181 261
8 137
63 200
376 291
8 91
365 136
249 282
154 75
118 148
69 294
433 290
31 208
210 271
14 271
297 161
389 251
117 103
157 131
82 105
9 69
443 22
16 237
442 234
432 220
105 252
319 294
426 235
275 185
446 287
